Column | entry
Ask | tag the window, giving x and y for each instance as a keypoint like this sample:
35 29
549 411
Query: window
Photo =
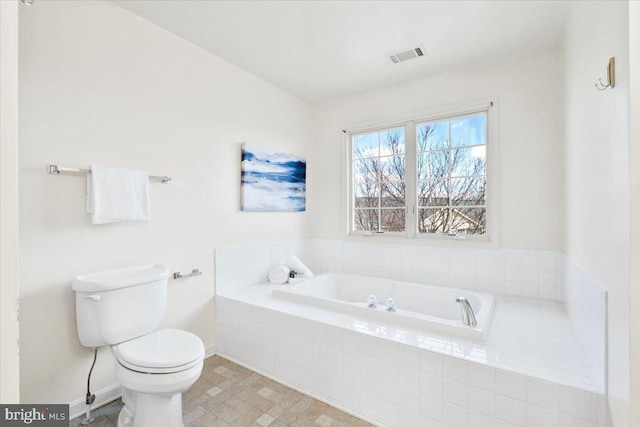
379 181
425 177
452 175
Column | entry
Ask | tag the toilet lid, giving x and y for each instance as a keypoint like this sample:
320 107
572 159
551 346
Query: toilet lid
166 350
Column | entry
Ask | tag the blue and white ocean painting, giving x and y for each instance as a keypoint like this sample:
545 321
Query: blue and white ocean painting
272 182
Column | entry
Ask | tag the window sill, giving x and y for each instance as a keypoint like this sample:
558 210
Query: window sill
421 240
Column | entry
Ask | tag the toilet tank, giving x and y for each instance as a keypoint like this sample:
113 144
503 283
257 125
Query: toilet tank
114 306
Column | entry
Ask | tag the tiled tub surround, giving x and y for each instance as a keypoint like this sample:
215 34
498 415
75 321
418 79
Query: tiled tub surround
536 274
406 378
586 304
546 275
531 339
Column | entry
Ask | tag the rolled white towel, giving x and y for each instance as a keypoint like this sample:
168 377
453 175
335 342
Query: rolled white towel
279 275
296 265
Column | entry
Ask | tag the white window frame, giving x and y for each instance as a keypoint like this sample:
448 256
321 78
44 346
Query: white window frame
488 106
350 172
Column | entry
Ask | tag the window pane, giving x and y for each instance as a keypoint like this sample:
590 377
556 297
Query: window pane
469 220
432 136
433 193
366 195
468 191
367 170
365 220
392 220
469 131
433 221
392 142
433 164
392 193
468 161
365 146
392 168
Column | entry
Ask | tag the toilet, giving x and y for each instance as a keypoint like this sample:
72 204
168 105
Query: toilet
122 309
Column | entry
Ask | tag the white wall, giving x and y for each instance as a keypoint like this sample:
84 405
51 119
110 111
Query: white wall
9 386
529 96
597 172
634 143
100 85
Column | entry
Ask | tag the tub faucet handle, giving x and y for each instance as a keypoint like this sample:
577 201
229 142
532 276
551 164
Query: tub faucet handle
391 304
372 302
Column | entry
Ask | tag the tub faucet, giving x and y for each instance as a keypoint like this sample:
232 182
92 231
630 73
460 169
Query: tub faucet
372 302
391 304
468 316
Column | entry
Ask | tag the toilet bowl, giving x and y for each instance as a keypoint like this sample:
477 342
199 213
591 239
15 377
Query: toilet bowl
156 369
122 309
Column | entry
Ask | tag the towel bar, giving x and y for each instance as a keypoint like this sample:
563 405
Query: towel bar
57 170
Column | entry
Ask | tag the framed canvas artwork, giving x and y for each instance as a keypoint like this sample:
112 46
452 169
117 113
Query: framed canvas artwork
272 181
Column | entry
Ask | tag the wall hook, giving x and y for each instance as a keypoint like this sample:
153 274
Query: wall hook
27 2
611 76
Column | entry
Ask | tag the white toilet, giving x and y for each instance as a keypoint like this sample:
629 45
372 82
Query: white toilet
122 308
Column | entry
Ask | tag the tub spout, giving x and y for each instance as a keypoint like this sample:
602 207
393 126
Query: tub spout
468 316
372 302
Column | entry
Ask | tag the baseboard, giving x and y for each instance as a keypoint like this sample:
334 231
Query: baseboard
104 396
209 351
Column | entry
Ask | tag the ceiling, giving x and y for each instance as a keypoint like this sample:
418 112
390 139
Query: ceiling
325 50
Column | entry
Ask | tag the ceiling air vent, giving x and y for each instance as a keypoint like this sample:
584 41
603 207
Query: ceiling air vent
405 55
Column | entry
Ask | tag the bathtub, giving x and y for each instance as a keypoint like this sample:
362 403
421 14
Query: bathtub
419 306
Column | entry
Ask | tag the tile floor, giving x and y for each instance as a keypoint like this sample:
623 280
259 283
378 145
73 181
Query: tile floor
228 395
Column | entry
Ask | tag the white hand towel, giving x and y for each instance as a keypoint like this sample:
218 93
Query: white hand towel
279 275
115 194
296 265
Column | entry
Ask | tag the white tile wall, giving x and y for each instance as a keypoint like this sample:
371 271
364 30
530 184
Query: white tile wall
389 383
515 272
585 302
238 266
511 272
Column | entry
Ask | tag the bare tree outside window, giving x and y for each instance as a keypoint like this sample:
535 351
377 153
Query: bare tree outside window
379 181
451 178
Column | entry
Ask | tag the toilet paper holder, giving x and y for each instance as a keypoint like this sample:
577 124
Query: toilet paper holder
194 272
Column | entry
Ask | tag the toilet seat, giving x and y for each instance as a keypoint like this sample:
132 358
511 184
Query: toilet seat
161 352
